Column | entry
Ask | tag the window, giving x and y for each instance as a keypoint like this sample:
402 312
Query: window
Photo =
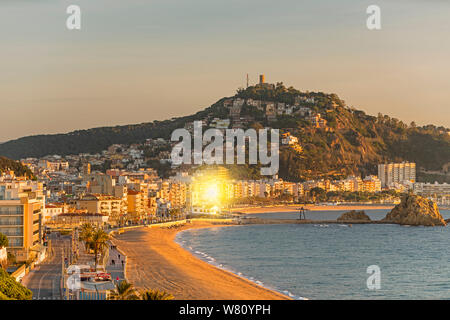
11 221
11 231
11 210
16 242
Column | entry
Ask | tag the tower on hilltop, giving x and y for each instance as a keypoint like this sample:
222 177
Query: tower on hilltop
262 79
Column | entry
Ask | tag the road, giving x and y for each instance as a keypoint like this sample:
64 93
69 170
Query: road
45 279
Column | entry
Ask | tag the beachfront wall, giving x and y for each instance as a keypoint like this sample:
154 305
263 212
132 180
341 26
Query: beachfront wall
215 221
19 273
167 224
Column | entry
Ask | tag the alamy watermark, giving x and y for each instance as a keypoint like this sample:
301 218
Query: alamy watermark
374 19
235 139
374 280
73 22
73 282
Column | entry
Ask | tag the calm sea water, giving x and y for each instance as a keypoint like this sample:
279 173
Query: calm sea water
330 261
320 215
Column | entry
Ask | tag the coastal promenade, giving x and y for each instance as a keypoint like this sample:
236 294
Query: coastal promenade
155 261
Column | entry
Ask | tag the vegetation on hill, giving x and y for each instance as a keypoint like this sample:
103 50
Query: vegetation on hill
95 140
19 169
10 289
4 242
351 143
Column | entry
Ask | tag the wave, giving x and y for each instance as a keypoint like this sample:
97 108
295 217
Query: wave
211 260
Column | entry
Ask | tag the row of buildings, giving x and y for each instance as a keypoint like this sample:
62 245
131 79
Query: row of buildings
66 195
21 213
391 174
271 110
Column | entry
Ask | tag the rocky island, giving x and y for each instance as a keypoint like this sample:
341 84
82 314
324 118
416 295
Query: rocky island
415 210
354 216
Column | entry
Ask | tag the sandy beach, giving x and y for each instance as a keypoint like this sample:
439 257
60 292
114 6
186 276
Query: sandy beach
294 208
155 261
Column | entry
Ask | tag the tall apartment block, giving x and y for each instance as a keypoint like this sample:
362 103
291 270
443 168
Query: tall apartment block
21 208
392 173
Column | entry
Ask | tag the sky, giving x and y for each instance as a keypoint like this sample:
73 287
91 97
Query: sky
137 61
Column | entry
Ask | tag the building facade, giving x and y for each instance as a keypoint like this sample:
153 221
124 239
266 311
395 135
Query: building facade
396 173
21 210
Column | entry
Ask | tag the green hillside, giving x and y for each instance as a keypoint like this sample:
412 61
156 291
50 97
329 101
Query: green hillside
18 168
353 142
10 289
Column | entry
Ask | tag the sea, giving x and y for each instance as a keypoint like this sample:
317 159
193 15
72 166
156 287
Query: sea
331 261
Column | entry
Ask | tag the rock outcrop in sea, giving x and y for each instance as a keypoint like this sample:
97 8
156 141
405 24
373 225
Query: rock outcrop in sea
354 216
415 210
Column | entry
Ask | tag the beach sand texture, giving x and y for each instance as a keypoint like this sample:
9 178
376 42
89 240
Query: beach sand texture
155 261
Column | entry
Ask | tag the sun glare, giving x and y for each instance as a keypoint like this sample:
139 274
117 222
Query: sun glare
212 192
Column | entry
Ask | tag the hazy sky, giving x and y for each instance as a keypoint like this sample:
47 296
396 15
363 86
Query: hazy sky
136 61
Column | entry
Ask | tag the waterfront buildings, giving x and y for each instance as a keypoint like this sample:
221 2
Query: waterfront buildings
432 188
77 219
396 173
136 205
21 206
349 184
439 192
371 184
102 204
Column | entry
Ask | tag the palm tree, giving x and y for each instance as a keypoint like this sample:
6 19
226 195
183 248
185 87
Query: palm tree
124 291
86 233
156 295
99 241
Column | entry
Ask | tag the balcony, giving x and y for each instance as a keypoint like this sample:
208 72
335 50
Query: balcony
10 212
11 222
13 233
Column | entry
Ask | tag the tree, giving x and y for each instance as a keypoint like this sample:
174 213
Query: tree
99 241
3 240
86 233
156 295
10 289
94 238
124 291
16 166
318 194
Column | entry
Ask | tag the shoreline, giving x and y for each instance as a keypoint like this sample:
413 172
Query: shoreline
197 254
156 261
309 207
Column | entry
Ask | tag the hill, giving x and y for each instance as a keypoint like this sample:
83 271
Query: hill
18 168
335 140
10 289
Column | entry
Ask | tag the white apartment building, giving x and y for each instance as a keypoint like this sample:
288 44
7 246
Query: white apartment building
397 173
440 189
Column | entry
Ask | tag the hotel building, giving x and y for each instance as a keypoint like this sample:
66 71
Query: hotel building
100 203
441 189
396 173
21 209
